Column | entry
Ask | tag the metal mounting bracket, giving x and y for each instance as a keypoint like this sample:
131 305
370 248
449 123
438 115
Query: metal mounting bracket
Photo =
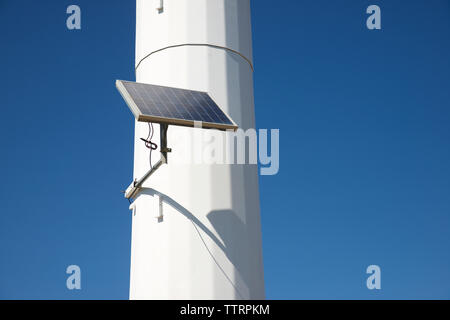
135 187
160 6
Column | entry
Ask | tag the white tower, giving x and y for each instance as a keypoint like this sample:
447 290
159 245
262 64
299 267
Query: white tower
196 230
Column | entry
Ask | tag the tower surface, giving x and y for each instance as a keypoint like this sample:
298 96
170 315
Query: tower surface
196 231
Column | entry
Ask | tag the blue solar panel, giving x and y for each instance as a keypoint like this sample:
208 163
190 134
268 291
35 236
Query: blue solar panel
152 103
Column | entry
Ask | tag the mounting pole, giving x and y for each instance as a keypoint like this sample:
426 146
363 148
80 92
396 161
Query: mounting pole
163 136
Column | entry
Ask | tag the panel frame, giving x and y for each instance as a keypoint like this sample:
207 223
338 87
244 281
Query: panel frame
170 121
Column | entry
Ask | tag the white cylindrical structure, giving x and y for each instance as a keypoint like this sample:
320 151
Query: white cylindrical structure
196 231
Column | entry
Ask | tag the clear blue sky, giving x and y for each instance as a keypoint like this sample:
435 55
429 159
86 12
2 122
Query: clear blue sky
365 148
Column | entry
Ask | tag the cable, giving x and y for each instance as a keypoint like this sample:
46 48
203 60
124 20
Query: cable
196 45
151 149
148 142
217 263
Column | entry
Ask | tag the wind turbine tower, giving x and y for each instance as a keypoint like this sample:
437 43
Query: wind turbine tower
196 231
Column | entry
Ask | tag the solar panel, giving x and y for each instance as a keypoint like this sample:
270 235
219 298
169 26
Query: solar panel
167 105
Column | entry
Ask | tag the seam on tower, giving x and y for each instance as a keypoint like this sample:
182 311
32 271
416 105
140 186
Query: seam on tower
195 45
